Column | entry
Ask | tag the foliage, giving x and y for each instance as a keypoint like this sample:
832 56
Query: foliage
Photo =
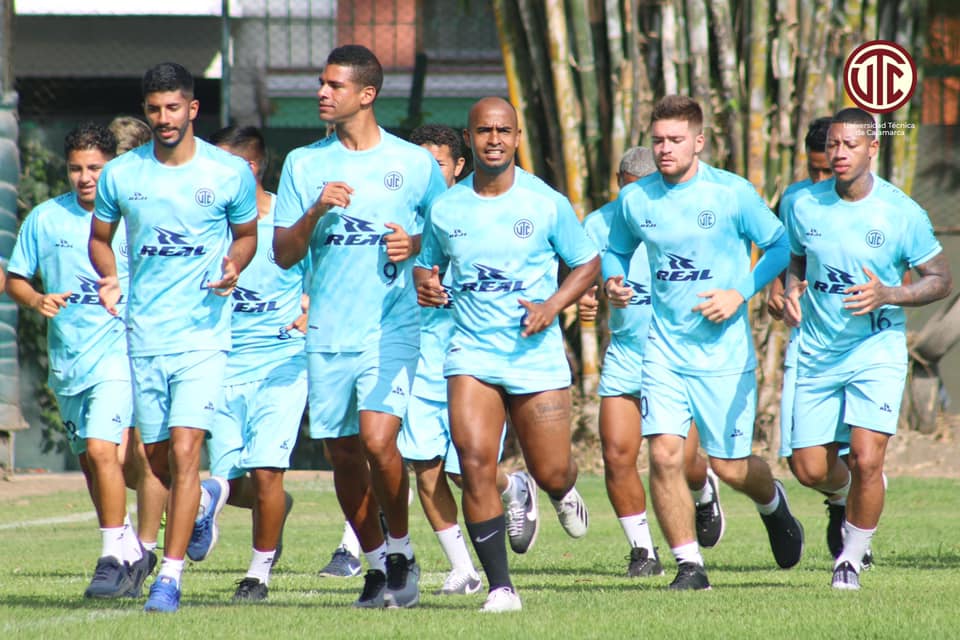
43 176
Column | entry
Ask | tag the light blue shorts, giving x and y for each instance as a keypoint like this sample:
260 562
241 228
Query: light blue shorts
177 390
621 374
343 384
257 425
425 434
101 412
827 405
518 374
723 406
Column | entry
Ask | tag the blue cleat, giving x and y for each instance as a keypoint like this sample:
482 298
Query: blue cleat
164 596
205 529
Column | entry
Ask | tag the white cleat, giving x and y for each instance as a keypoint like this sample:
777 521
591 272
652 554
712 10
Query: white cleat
502 600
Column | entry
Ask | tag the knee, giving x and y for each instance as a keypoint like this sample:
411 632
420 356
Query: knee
808 472
866 464
731 472
665 456
380 445
618 458
101 454
345 454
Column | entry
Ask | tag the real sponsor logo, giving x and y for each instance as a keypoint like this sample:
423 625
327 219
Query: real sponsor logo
681 269
641 293
357 232
250 301
490 279
837 282
171 244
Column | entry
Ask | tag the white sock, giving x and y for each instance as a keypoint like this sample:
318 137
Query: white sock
689 552
349 540
770 507
455 548
206 500
704 494
400 545
856 541
839 496
377 559
149 546
111 539
172 569
131 545
260 564
637 530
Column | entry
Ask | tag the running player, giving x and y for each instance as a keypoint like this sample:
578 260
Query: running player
697 223
853 238
265 384
180 198
89 369
619 390
355 200
501 231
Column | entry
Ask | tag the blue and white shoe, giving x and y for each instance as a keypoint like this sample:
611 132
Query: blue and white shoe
164 596
205 529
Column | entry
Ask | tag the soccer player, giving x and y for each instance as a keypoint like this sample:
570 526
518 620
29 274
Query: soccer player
130 132
697 223
355 200
89 369
265 384
181 199
852 240
501 232
620 402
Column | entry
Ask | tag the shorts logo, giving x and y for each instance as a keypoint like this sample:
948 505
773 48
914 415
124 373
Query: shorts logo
648 224
63 244
707 219
875 238
116 418
398 390
523 228
285 445
736 433
209 406
886 408
71 428
880 76
393 180
137 196
204 197
124 249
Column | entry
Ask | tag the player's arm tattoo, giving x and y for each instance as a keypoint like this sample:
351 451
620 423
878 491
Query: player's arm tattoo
934 283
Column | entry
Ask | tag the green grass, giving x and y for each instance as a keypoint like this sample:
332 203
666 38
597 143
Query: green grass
570 588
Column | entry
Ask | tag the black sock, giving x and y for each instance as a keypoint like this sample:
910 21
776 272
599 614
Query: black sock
488 538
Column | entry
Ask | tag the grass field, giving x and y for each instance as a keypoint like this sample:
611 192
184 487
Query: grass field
570 588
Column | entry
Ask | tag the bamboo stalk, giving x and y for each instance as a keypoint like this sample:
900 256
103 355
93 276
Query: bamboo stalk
621 83
586 69
731 98
758 132
668 45
510 44
700 69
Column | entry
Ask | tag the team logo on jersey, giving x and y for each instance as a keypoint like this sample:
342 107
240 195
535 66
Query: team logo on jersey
393 180
813 233
707 219
457 233
357 232
171 244
124 249
641 293
523 228
204 197
837 282
491 279
136 196
249 301
682 270
875 238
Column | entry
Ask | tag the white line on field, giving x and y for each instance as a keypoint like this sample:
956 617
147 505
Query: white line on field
76 517
83 617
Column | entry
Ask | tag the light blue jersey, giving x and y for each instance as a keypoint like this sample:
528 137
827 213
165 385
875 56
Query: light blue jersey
265 302
698 236
790 196
178 226
500 249
358 295
86 345
633 322
885 232
436 329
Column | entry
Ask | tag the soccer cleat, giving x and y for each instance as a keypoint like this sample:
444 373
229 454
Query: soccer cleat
502 600
288 506
867 563
164 595
250 590
459 583
845 578
139 571
784 532
374 584
343 564
205 529
835 516
690 577
572 513
642 564
403 582
111 579
709 516
521 511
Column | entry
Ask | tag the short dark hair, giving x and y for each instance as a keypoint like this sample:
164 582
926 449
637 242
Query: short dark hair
167 76
857 116
816 139
243 140
439 135
130 132
678 108
367 71
90 136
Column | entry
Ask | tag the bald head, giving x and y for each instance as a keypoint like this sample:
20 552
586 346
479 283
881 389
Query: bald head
493 135
483 107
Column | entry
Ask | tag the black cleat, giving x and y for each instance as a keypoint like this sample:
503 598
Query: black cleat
836 513
784 532
250 590
642 564
710 520
374 585
690 577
